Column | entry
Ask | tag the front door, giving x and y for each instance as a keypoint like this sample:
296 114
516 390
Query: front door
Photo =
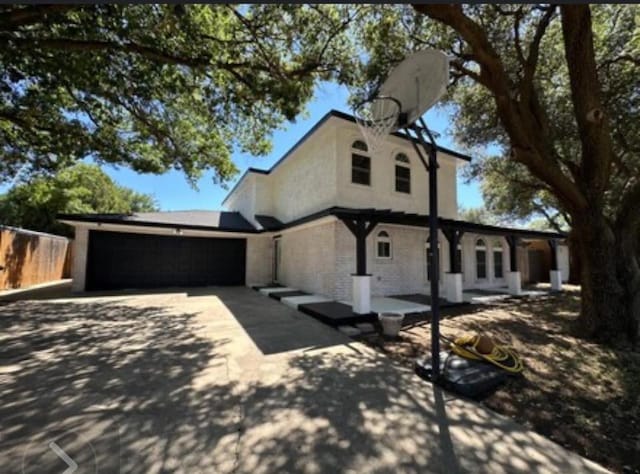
276 259
536 267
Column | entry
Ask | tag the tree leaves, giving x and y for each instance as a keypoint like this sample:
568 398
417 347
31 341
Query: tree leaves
154 87
82 188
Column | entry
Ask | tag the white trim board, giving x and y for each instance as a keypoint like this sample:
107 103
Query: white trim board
277 289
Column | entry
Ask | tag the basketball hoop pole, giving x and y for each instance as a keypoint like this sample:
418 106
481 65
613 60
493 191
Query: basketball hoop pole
411 88
432 168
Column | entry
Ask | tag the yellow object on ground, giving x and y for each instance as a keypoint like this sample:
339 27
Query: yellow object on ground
473 346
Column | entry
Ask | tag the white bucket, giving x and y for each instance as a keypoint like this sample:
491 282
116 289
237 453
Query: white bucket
391 323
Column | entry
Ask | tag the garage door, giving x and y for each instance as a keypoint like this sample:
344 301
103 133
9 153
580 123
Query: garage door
118 260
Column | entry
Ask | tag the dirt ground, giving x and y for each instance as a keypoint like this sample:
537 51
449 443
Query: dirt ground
584 396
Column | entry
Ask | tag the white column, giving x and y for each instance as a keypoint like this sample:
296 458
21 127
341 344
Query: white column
453 287
555 276
361 294
513 280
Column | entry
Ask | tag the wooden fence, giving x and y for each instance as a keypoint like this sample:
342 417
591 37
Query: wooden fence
28 258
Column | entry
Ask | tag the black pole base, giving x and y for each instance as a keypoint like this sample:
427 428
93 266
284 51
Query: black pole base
469 378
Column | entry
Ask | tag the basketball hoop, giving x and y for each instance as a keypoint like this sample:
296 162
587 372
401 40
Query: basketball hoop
413 87
377 118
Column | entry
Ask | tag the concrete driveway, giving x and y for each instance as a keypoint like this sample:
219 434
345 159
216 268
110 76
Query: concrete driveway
227 380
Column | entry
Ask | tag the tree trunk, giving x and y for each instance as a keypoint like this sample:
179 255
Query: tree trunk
575 269
609 298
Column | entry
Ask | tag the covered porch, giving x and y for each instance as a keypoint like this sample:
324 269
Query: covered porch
477 262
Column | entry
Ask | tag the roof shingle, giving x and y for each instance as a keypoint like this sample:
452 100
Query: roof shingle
210 220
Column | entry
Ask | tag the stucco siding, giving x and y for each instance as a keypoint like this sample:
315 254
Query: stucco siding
308 259
306 181
243 199
381 194
317 175
259 260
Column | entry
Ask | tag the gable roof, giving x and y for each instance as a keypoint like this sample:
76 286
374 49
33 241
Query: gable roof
222 221
318 124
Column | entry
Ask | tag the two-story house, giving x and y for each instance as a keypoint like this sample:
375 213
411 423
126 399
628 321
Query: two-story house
329 218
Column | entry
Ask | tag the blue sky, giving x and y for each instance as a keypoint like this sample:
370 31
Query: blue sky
172 191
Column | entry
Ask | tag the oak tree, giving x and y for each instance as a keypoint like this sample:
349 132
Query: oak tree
556 89
156 87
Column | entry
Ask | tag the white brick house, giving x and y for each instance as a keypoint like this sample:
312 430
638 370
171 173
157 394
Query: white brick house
291 225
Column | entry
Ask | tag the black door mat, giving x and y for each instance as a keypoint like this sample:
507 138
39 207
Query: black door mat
260 287
335 314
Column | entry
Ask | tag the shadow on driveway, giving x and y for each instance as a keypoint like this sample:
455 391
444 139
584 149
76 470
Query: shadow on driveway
173 383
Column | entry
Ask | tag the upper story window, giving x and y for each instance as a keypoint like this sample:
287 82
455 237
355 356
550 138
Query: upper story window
481 259
403 174
497 260
360 163
383 245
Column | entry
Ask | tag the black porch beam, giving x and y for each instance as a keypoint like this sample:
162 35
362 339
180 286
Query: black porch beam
453 237
553 244
360 228
512 241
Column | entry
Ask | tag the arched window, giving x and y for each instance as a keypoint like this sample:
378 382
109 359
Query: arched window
360 145
481 259
429 253
360 163
383 245
497 260
403 174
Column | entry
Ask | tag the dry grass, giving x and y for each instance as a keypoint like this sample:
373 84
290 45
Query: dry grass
584 396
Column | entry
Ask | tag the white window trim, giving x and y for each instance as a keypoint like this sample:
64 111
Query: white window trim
357 151
484 247
497 247
384 239
405 165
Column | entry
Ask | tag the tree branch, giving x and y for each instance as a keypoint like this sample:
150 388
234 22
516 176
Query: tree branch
534 48
25 16
523 134
622 58
593 128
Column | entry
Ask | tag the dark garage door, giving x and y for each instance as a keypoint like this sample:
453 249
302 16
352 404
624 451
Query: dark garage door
118 260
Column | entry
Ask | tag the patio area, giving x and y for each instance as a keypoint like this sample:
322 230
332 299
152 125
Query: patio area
415 307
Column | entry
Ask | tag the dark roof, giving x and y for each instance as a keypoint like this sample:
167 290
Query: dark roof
387 216
318 124
222 221
269 222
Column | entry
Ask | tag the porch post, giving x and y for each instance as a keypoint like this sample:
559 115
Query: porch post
453 278
555 275
513 277
361 280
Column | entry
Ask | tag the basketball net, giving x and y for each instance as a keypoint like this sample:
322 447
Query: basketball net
377 118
